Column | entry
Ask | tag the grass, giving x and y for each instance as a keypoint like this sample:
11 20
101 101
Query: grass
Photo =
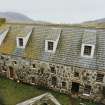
13 93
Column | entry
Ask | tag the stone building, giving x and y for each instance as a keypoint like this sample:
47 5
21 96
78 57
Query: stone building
68 59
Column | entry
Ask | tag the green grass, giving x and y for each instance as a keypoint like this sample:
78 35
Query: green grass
13 93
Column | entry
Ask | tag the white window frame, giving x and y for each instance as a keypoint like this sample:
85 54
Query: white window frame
85 94
46 46
92 50
18 45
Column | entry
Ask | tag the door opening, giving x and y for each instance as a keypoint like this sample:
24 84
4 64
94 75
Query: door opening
75 88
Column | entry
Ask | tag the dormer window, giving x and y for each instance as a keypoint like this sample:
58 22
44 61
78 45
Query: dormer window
20 41
50 46
23 39
87 50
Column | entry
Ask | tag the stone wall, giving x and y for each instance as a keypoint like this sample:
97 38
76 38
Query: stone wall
65 79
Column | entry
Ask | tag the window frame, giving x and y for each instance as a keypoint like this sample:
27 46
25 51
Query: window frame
21 42
50 47
76 74
92 50
98 76
32 80
46 46
64 84
18 42
85 92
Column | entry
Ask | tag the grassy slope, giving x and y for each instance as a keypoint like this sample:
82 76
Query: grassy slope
13 92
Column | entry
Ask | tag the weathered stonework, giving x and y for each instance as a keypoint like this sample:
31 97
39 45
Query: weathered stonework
54 76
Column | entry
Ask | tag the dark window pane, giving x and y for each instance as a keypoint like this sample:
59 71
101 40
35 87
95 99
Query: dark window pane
33 80
50 45
76 74
87 50
54 81
103 91
87 89
20 41
52 69
34 66
63 84
99 77
14 62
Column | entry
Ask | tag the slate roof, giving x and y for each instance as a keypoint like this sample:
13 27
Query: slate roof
47 98
68 48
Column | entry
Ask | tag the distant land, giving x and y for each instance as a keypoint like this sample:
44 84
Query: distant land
18 17
15 17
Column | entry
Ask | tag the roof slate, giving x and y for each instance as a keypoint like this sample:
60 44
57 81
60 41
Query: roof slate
68 50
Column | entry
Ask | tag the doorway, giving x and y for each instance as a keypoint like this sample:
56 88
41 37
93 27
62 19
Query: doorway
75 88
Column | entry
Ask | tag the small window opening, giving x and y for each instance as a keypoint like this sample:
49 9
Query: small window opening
50 45
41 70
11 72
99 77
63 84
3 68
14 62
32 79
87 50
52 69
33 65
76 74
87 89
44 104
2 57
54 81
20 41
103 91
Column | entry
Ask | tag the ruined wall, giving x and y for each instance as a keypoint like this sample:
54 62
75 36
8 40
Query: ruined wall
66 79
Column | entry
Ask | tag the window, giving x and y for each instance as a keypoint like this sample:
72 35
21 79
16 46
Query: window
11 72
3 69
54 81
33 65
50 45
20 41
99 77
87 50
76 74
52 69
44 104
87 89
63 84
32 79
14 62
2 57
41 70
103 91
